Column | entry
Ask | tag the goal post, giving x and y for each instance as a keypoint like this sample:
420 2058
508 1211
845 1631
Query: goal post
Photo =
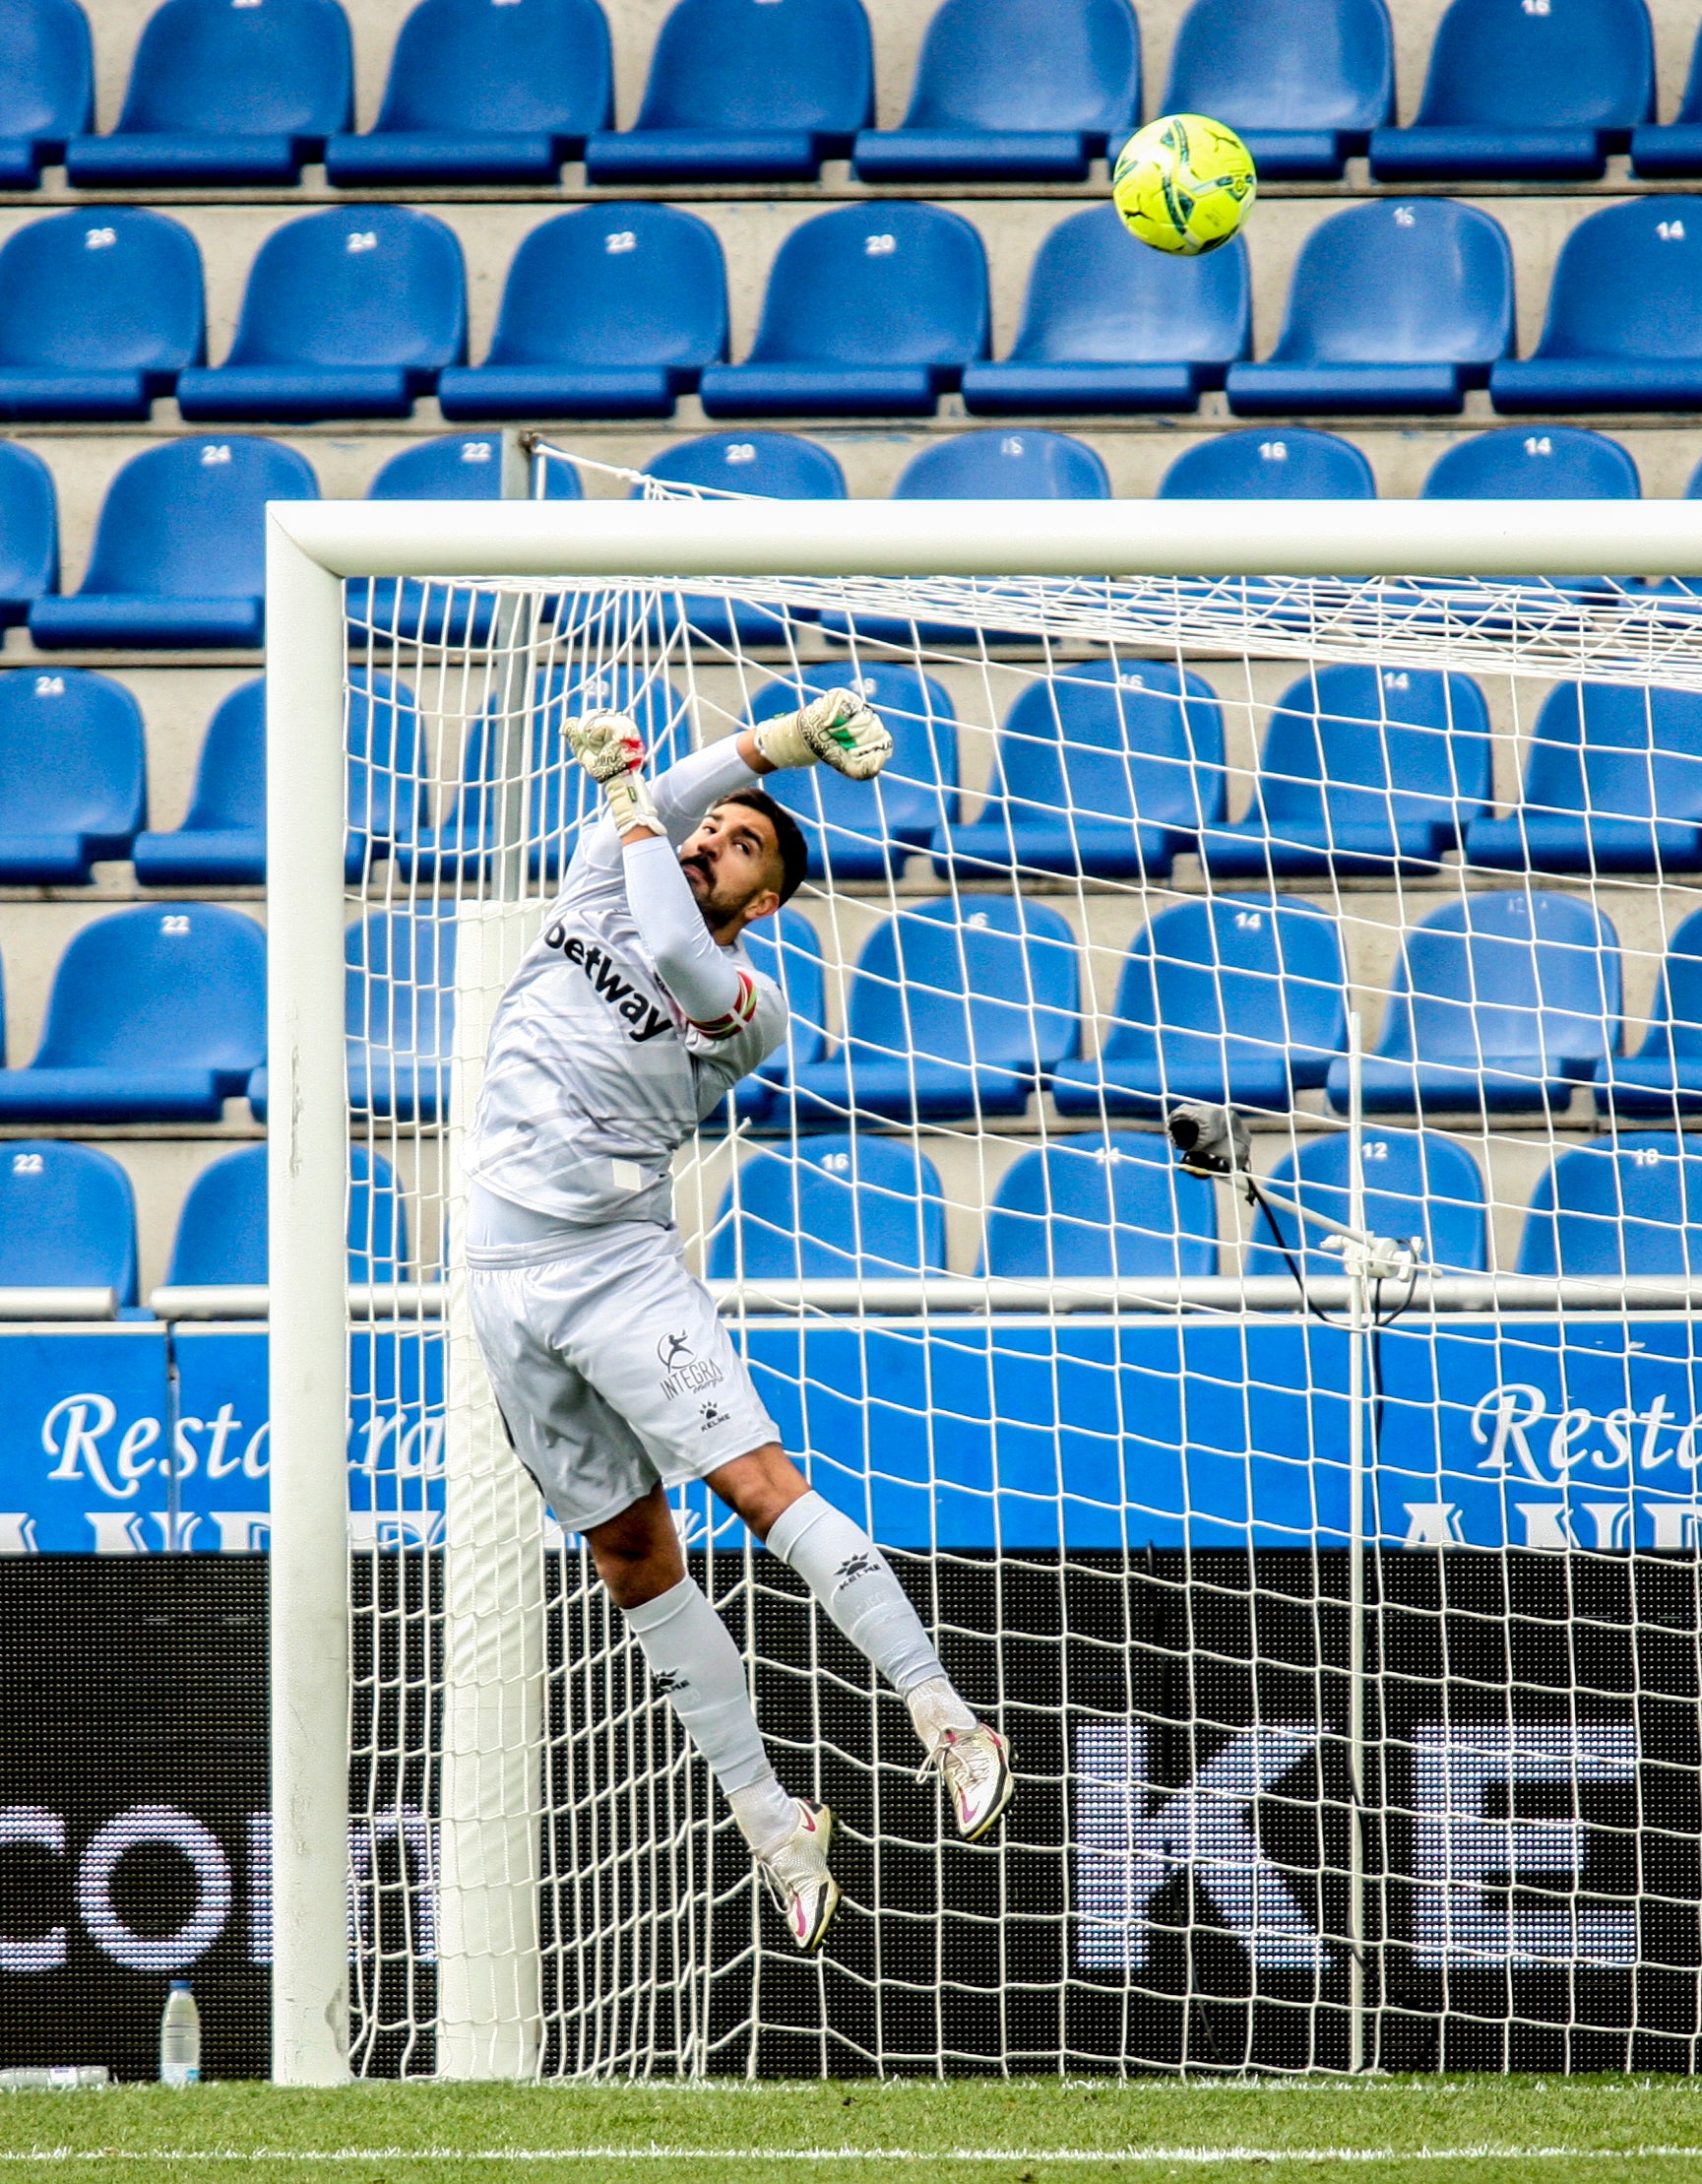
470 1821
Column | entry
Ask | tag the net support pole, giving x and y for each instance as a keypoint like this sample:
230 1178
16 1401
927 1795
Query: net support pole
1357 1394
307 1155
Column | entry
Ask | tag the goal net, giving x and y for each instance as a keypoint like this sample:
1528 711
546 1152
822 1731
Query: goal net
1322 1531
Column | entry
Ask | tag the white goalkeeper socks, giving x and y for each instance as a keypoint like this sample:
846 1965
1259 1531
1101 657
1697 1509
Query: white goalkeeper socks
697 1669
853 1581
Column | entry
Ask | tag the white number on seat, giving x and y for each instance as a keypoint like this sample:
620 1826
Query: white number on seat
1645 1156
1540 446
621 239
1375 1148
1251 921
475 451
99 238
879 246
174 923
1537 7
1393 680
49 685
1131 682
1669 230
1272 451
741 451
1405 216
1011 444
837 1164
214 453
363 238
978 919
26 1164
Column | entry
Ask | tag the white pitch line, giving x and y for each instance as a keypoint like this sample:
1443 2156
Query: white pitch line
1147 2156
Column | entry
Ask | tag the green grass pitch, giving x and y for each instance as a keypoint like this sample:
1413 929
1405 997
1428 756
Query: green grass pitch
1480 2130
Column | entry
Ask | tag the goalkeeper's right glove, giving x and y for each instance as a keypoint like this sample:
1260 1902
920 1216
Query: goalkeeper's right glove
611 748
838 728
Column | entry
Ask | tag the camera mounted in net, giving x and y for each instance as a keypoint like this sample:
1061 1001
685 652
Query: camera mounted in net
1210 1140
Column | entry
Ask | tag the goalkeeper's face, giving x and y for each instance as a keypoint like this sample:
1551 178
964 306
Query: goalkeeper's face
733 868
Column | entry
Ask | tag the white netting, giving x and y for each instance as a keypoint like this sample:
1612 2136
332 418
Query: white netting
1283 1805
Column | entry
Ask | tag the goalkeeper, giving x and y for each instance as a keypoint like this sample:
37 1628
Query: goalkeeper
629 1020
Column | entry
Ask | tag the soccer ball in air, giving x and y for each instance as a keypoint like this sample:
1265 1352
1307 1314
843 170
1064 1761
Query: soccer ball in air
1183 184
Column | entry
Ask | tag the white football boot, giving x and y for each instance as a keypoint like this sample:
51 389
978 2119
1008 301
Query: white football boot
805 1893
974 1765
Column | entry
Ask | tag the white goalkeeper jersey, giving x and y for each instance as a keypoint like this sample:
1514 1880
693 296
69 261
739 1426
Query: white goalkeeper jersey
595 1075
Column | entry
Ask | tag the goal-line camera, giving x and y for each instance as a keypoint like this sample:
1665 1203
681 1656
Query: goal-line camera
1209 1141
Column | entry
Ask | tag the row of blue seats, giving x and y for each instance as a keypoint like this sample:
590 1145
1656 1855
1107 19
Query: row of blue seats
1100 1205
1501 1003
765 90
614 311
179 557
1105 770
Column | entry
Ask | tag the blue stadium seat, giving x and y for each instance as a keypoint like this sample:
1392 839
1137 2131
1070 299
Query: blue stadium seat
99 313
1109 769
222 841
1110 329
158 1014
1365 771
72 775
1004 465
610 311
225 92
954 1009
1418 1185
1241 998
1663 1080
746 91
1012 90
773 466
399 1013
1398 306
29 532
483 94
347 313
830 1208
1113 1203
1561 463
179 553
221 1231
1527 92
1613 783
47 85
864 830
1302 85
1290 465
1621 1206
463 465
1499 1004
1624 323
1659 153
785 946
870 309
67 1219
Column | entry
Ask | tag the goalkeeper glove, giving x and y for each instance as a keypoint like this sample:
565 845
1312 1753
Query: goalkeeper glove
611 750
838 728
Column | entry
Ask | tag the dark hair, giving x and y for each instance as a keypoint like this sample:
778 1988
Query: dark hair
787 835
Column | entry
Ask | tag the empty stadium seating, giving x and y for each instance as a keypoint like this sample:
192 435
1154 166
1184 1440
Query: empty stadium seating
1395 306
1624 1206
1501 1003
1419 1186
787 948
1559 463
483 94
859 829
158 1014
746 91
609 312
1663 1080
870 308
1365 771
29 532
1012 90
400 1013
1112 1204
1291 465
224 92
952 1009
1238 999
67 1219
1614 784
99 313
1106 328
221 1231
1522 90
1302 85
831 1207
72 775
1624 323
1004 465
1104 768
47 85
1676 149
179 549
348 313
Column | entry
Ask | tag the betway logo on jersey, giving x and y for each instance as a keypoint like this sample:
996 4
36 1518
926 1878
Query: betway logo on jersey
646 1019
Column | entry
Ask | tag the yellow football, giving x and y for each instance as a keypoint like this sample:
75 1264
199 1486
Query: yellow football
1184 183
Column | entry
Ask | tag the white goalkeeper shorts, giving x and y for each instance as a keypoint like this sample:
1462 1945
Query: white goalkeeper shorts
613 1370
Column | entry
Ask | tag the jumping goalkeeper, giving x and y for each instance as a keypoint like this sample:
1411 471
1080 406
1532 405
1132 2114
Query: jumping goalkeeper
630 1020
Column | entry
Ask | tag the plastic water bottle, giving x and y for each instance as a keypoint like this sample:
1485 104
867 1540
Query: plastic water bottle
180 2038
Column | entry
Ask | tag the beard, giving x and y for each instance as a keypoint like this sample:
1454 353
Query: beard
716 906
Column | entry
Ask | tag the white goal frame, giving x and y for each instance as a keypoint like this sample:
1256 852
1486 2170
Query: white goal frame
311 547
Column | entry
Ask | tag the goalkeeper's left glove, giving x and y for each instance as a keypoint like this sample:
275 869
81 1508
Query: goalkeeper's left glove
611 748
837 729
